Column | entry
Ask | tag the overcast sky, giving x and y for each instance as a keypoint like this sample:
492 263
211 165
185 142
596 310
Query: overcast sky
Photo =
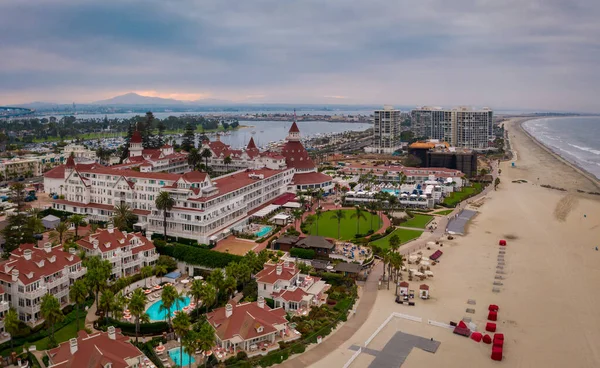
542 54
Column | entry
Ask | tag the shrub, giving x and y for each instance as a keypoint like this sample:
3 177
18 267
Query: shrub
198 256
302 253
371 231
153 328
298 348
172 239
270 302
390 229
375 237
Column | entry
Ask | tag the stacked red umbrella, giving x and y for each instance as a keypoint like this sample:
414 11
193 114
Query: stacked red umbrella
476 336
502 242
487 339
493 316
496 353
493 308
490 327
462 329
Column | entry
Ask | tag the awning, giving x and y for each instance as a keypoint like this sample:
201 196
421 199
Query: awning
141 225
292 205
267 210
173 275
281 216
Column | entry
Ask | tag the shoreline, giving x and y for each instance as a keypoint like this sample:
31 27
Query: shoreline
586 174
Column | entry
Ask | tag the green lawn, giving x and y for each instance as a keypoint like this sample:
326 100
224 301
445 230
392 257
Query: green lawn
419 221
444 212
328 227
404 235
62 335
456 197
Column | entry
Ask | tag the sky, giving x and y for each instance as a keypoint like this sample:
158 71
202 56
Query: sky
534 54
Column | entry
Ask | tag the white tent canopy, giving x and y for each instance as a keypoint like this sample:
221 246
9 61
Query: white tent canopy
267 210
292 205
281 216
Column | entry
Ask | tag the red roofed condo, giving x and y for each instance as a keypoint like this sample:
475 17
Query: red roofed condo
206 208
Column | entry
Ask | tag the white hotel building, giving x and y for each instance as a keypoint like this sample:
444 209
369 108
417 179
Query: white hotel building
31 272
205 209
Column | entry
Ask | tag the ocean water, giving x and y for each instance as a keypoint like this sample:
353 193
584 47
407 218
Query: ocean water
576 139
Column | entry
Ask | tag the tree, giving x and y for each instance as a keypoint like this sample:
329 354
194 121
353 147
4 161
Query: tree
297 214
190 344
195 292
50 311
17 194
123 216
206 154
206 339
358 214
496 183
98 272
394 242
189 136
209 295
194 159
229 286
164 202
146 272
227 161
161 133
397 262
77 295
181 326
372 206
216 278
318 214
160 270
77 220
169 298
319 196
338 215
137 306
60 233
11 324
412 161
106 301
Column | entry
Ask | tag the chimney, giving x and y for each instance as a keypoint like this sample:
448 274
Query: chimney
286 264
95 243
110 228
125 234
261 302
73 345
112 333
48 247
27 254
279 269
228 310
72 250
15 274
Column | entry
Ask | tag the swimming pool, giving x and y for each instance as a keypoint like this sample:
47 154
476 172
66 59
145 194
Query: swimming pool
174 354
393 191
156 314
263 231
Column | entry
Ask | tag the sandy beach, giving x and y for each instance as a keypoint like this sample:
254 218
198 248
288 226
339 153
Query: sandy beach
548 302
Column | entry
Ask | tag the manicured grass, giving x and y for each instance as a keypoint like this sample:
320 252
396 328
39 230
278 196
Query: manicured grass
328 227
62 335
404 235
456 197
444 212
419 221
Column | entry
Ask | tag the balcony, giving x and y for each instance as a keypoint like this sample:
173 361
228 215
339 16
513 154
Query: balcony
4 306
39 292
56 281
77 274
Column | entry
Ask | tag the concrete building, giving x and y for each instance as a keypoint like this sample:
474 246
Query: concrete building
30 272
20 167
163 159
440 154
386 131
80 153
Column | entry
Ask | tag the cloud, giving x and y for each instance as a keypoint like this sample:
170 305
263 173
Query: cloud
511 53
337 97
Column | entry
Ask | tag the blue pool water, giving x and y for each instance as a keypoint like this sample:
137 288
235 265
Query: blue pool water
156 314
394 191
174 354
264 231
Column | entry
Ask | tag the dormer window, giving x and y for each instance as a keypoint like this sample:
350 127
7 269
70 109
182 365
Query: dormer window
259 329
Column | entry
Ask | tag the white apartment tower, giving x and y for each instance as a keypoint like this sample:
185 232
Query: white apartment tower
386 130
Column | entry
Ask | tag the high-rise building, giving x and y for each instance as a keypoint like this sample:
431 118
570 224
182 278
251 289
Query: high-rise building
461 127
386 130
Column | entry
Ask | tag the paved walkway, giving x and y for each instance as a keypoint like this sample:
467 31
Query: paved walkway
347 330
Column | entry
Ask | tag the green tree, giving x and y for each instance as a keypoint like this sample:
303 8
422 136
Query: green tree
160 270
123 216
338 215
358 214
194 159
206 339
227 161
297 214
318 214
397 262
169 298
146 272
190 344
195 292
181 326
17 194
137 306
11 324
209 295
98 272
188 141
496 183
394 242
319 197
50 311
77 220
106 302
165 203
229 286
77 294
60 233
372 206
206 154
216 278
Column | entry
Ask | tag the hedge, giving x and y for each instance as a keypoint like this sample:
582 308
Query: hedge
198 256
172 239
302 253
270 302
148 350
153 328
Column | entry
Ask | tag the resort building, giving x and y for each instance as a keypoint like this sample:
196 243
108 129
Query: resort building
80 153
206 209
20 167
386 131
247 326
163 159
404 174
319 244
127 252
29 273
461 126
439 154
4 307
289 289
109 349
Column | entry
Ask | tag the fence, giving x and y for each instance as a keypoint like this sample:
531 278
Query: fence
353 358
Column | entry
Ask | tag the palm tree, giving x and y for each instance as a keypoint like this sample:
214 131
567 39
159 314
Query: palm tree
194 158
60 233
372 206
196 292
318 214
123 216
319 196
50 310
165 203
137 305
146 272
338 215
160 270
496 183
396 262
394 242
297 214
190 344
392 201
229 286
216 278
98 272
118 306
206 339
11 324
358 214
181 326
209 295
77 295
206 154
106 302
227 161
169 298
77 220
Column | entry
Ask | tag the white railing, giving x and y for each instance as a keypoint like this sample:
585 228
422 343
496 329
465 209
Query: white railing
353 358
78 273
440 324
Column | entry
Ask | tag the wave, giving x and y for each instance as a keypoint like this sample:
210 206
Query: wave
587 149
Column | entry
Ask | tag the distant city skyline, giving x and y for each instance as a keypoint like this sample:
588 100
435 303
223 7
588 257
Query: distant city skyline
517 54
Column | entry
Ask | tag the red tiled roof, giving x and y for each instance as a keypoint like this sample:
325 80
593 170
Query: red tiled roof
136 137
251 144
95 351
295 295
284 198
194 176
70 161
245 320
269 274
294 128
89 205
108 242
296 156
310 178
424 287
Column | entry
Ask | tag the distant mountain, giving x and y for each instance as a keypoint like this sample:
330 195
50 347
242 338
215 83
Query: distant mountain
135 99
